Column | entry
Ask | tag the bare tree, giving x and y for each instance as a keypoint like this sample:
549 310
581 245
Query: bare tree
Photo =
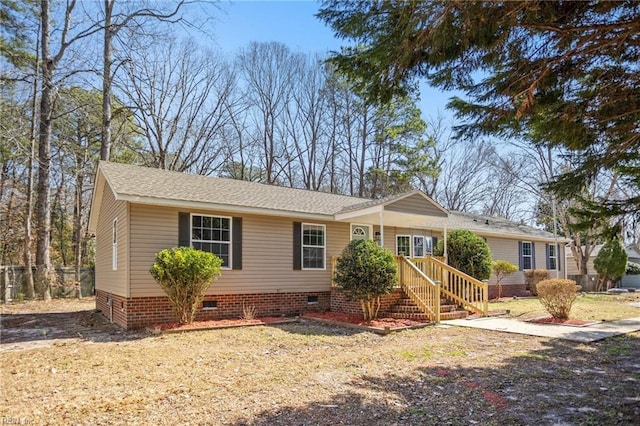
113 22
179 99
50 62
268 71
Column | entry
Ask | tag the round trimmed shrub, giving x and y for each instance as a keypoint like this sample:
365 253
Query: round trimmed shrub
366 271
185 273
557 296
467 252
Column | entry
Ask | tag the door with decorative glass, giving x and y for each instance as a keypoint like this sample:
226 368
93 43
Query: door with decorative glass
360 232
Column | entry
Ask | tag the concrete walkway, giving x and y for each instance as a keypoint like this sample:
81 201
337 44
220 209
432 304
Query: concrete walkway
584 334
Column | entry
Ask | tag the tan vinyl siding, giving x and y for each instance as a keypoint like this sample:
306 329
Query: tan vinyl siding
107 279
416 204
267 262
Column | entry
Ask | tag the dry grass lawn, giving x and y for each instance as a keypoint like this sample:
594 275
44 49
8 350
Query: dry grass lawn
588 306
309 374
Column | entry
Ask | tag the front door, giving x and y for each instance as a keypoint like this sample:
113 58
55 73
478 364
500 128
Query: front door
360 232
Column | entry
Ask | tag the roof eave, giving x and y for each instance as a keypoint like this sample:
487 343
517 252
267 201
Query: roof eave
221 207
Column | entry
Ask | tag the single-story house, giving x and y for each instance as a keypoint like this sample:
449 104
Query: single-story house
277 243
628 281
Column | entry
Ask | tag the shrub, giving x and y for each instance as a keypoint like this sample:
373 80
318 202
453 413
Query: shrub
365 271
185 273
557 296
633 268
533 276
501 269
467 252
610 263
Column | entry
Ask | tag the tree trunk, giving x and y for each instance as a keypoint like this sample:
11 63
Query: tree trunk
105 146
77 218
43 216
29 287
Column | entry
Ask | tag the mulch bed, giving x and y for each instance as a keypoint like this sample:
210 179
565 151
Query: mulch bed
379 325
174 327
573 322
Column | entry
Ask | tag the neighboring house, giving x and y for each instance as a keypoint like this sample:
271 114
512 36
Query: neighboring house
632 281
276 243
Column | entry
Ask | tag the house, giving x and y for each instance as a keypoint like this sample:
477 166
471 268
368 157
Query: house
522 245
277 243
631 281
627 281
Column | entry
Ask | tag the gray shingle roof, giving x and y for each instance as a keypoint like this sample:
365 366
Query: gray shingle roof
136 181
495 225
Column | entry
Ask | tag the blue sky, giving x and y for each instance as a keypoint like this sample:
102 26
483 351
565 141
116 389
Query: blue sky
294 24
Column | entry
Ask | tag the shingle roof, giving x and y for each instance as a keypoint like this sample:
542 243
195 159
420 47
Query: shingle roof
144 182
495 225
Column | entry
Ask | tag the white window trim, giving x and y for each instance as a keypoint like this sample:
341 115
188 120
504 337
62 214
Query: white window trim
424 245
324 247
114 245
230 242
530 256
410 244
362 226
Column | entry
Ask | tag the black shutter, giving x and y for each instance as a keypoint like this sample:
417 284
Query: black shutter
520 256
236 232
533 255
297 245
558 257
548 251
184 229
434 243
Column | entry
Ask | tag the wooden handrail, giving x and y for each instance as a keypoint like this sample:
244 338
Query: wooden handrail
420 288
470 293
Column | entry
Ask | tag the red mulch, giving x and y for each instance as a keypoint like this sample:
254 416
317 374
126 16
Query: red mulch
222 323
570 321
357 320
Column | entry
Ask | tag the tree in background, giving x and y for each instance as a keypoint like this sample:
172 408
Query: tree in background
568 69
467 252
610 263
502 269
365 272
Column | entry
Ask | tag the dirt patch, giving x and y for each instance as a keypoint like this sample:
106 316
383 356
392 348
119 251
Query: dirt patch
316 374
573 322
214 324
38 324
378 323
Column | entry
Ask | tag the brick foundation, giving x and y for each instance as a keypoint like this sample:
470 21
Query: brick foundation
140 312
339 302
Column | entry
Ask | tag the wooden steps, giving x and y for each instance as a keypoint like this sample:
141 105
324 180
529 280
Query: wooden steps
407 309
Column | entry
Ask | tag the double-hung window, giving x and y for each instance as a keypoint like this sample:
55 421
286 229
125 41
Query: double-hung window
212 234
552 257
527 255
313 246
403 245
114 246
